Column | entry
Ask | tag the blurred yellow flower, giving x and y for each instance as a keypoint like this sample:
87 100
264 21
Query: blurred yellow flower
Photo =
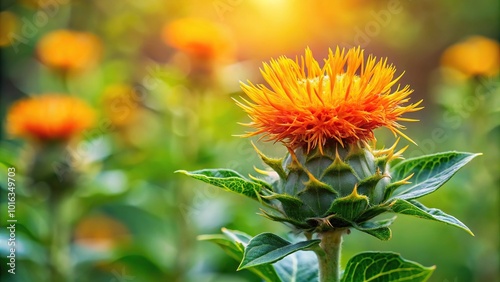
49 117
307 105
69 50
101 232
8 26
476 55
199 38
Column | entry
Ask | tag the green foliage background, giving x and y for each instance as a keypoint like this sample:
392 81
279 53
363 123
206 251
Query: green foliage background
129 175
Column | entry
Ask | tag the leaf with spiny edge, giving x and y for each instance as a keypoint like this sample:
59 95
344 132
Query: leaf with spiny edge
430 173
227 179
415 208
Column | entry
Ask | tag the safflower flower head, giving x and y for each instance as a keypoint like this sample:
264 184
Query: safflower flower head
49 117
308 105
475 56
200 39
68 50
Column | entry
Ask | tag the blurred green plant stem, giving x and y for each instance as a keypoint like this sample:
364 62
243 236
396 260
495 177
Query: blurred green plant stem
59 251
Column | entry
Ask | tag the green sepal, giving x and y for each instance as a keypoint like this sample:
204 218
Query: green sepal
338 165
267 248
415 208
429 173
371 181
275 164
227 179
292 206
291 221
315 186
379 229
349 207
384 266
389 189
261 182
373 212
322 224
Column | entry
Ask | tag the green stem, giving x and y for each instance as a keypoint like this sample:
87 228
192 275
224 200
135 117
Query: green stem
329 255
60 264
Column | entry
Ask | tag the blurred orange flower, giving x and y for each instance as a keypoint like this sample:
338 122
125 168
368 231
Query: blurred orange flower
69 50
101 232
476 55
199 38
344 101
49 117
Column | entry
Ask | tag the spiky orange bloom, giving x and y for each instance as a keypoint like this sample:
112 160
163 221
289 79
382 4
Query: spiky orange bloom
308 105
199 38
49 117
69 50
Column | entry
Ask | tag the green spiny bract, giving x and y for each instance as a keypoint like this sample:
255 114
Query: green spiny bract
343 186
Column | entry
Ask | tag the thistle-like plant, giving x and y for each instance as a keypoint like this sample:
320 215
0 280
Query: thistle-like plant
332 179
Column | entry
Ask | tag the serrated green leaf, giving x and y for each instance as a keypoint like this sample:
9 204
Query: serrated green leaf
379 229
349 207
430 173
227 179
384 267
233 243
415 208
267 248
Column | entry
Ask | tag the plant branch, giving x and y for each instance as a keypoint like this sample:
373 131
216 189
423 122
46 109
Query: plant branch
328 255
